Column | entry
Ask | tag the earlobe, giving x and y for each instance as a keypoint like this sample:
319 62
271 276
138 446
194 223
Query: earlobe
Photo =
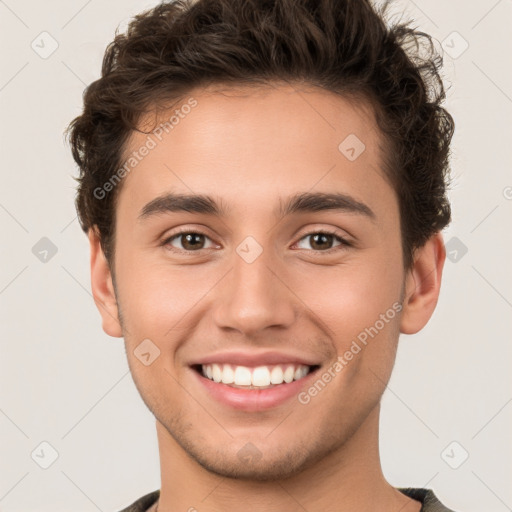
422 285
102 287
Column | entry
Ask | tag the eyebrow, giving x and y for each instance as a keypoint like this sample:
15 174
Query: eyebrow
299 203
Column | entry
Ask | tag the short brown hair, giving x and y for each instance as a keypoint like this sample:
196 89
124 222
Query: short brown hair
343 46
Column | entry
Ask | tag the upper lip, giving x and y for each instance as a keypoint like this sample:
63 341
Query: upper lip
251 359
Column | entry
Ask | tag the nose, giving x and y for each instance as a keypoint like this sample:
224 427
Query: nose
254 297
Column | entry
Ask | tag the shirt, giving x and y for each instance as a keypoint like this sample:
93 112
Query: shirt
426 497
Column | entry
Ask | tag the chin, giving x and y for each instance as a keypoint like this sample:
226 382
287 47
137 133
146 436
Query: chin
249 463
260 471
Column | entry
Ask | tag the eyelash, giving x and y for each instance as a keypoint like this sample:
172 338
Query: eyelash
343 242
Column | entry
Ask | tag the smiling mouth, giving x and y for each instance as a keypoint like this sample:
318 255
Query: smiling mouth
259 377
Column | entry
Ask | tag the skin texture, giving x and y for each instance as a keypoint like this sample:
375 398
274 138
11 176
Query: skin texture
247 149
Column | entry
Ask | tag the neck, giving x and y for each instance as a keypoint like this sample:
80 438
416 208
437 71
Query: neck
348 479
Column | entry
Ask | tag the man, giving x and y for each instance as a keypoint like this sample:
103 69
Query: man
263 188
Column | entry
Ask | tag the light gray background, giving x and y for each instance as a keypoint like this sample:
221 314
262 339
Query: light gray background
63 381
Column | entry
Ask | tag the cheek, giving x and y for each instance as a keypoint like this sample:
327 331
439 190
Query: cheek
156 297
349 298
360 306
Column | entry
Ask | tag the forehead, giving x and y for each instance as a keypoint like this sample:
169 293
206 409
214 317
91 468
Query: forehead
293 113
258 140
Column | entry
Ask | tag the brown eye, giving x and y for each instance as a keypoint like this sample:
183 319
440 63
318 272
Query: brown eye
323 241
189 241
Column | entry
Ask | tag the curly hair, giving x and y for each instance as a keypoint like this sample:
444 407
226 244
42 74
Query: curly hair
347 47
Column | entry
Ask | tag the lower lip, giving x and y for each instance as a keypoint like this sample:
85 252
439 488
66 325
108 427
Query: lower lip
254 399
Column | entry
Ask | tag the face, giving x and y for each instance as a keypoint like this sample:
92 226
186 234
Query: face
248 282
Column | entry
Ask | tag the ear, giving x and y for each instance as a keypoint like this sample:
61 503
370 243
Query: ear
422 285
103 288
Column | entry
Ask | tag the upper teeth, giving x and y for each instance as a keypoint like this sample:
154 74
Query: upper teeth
259 376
